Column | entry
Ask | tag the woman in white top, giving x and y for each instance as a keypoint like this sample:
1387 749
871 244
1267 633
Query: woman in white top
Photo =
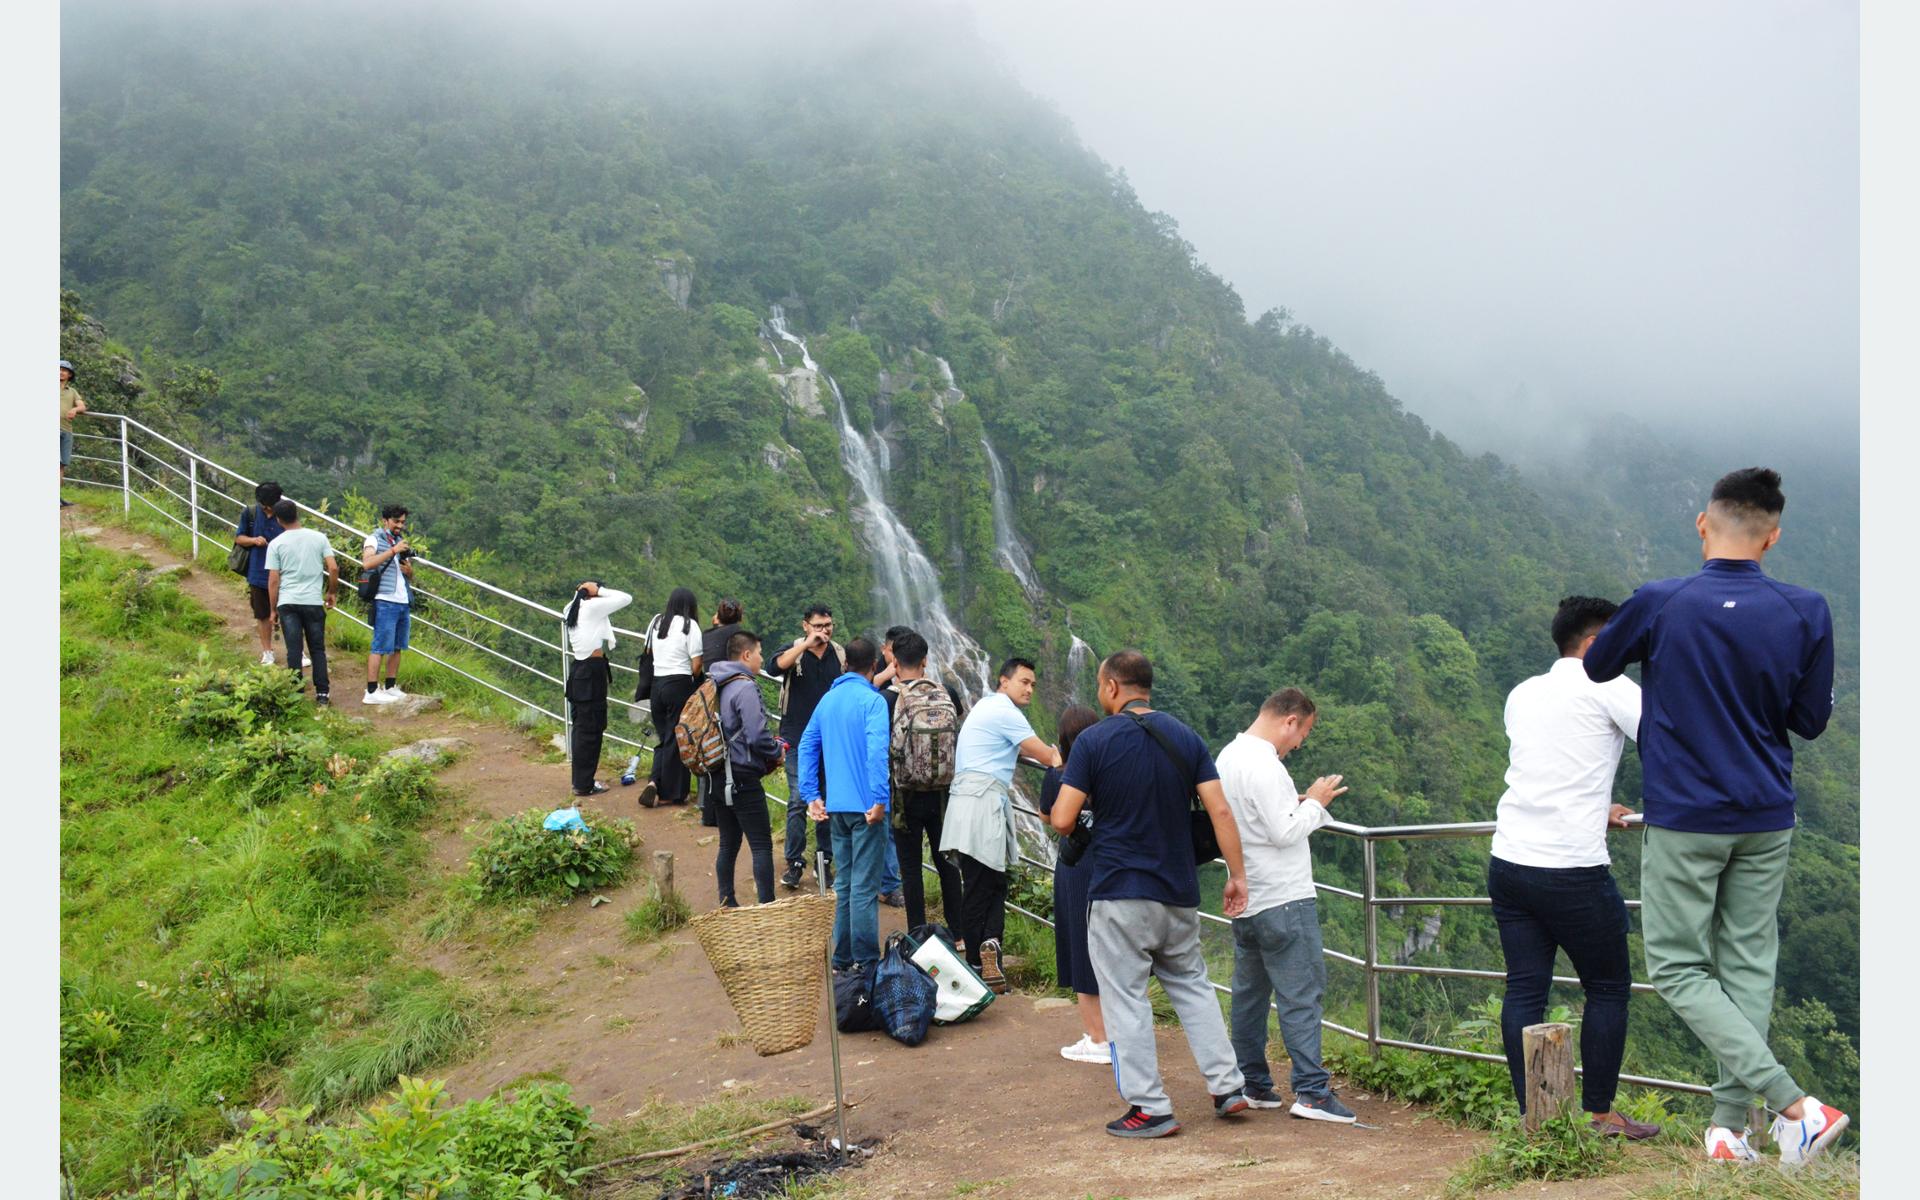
674 639
589 637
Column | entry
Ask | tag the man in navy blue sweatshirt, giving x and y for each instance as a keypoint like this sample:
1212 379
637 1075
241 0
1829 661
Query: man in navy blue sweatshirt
1731 663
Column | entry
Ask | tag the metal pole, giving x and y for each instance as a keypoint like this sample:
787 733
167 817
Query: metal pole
126 475
193 503
1373 949
833 1024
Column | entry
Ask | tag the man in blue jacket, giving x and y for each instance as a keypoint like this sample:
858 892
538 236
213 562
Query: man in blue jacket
848 736
1732 662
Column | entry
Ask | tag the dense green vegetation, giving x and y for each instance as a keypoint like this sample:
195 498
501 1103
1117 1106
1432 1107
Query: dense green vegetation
521 292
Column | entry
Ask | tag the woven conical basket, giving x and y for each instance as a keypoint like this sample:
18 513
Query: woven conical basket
771 959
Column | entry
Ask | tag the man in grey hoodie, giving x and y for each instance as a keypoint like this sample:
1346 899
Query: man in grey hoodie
752 751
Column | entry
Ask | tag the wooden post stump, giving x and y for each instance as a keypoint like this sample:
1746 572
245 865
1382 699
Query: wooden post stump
663 872
1549 1063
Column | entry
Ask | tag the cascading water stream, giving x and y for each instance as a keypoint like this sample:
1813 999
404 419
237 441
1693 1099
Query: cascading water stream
1006 543
906 586
1079 658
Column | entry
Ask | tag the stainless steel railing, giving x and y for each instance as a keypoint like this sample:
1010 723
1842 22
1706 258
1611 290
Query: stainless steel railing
139 447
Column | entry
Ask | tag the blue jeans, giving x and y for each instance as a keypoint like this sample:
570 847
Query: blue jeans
890 872
858 852
1579 910
1276 953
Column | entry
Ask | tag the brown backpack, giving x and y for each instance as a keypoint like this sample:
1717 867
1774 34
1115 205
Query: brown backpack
697 735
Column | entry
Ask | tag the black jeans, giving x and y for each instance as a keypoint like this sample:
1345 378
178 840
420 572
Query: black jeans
587 695
670 775
306 622
1579 910
921 813
745 817
983 905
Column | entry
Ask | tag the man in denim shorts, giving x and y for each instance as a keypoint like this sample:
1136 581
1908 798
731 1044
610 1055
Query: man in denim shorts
386 551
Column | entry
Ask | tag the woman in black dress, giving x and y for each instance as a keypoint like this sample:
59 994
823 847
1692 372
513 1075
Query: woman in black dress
674 639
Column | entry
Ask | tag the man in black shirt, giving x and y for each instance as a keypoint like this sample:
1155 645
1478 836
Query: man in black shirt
806 669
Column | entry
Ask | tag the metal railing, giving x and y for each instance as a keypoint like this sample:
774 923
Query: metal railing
494 631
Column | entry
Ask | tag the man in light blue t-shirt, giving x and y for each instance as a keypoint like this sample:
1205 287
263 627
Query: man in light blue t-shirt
302 576
978 831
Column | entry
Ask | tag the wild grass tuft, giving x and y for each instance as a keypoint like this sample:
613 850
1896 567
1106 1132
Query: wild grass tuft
1565 1147
657 915
416 1022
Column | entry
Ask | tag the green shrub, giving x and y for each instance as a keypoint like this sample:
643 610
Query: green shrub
417 1021
1471 1091
353 860
398 790
273 764
1565 1147
90 1039
521 858
228 702
657 914
526 1148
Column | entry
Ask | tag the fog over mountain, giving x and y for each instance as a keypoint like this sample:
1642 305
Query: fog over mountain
1514 212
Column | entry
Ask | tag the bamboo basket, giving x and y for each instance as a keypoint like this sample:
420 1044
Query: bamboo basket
771 959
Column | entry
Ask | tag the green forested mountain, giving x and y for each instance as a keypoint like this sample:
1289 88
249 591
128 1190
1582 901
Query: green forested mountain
521 284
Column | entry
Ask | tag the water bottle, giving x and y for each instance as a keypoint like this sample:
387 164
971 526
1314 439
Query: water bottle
632 773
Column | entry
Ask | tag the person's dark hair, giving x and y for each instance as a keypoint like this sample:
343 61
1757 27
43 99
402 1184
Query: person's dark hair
729 611
1288 702
816 610
1008 667
1075 719
1129 669
862 654
680 604
1750 496
393 510
572 617
286 511
740 643
909 648
267 493
892 637
1578 617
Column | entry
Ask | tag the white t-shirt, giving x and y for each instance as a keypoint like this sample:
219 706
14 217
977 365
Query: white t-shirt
1567 733
990 737
593 628
1274 823
674 653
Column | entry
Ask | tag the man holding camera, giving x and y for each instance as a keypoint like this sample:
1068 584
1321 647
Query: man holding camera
386 551
806 669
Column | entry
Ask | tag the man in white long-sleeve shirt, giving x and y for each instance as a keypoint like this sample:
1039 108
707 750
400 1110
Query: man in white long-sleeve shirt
1276 942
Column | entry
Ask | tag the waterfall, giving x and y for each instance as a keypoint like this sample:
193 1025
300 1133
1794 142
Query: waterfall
1007 549
906 586
1079 658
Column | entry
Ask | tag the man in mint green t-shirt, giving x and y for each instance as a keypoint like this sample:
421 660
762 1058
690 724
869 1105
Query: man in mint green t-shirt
301 578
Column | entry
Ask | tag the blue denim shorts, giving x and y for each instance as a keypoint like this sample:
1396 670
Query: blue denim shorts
66 446
392 623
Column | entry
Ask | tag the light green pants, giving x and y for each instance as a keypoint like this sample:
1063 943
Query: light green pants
1710 905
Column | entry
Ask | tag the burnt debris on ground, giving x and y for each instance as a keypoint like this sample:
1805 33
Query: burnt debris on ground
770 1174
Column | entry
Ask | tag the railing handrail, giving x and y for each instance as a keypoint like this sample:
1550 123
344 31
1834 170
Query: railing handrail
1368 836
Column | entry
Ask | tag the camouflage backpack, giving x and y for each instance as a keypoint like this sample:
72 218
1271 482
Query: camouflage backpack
697 734
926 728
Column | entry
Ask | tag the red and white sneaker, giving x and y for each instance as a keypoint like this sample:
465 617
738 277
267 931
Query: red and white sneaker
1724 1145
1801 1140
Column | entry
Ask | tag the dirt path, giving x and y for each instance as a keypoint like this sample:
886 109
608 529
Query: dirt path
987 1108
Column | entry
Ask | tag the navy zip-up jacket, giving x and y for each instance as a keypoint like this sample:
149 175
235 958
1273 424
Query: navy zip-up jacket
1733 662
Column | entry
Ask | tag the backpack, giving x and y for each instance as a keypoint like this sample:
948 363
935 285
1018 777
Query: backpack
697 734
926 729
369 588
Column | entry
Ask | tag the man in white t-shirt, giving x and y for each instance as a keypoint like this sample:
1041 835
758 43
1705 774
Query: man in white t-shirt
386 551
977 833
1549 878
1276 941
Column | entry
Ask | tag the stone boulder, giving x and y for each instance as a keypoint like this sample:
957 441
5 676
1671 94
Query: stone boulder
432 751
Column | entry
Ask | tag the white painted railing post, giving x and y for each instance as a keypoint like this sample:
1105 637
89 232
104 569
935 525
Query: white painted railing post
126 474
193 503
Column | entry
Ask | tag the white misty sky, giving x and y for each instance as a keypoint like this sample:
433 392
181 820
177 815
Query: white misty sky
1507 206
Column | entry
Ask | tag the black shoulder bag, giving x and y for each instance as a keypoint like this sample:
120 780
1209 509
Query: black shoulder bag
643 690
240 556
1206 847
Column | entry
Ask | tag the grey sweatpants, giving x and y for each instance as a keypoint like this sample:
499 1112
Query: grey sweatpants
1130 940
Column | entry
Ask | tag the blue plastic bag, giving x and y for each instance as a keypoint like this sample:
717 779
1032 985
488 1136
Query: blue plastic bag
564 819
903 994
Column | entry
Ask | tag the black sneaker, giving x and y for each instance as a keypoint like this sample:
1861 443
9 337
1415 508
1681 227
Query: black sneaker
1136 1124
66 504
1229 1104
1262 1097
791 880
1323 1107
894 899
595 790
321 701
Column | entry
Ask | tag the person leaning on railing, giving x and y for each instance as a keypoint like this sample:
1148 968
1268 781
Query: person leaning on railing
71 406
589 621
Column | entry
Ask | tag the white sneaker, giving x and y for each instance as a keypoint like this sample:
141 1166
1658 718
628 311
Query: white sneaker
394 693
1724 1145
377 696
1086 1050
266 658
1816 1129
